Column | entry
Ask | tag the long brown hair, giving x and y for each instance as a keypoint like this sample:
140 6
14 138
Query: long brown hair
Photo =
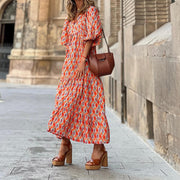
72 8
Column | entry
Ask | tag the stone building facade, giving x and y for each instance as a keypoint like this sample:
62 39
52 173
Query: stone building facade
145 39
36 57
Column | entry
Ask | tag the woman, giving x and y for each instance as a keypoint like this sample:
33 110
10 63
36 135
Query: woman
79 112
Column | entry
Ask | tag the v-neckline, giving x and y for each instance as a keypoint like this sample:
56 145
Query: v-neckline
74 21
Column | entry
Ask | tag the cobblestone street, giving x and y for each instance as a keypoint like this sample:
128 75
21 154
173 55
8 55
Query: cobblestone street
26 148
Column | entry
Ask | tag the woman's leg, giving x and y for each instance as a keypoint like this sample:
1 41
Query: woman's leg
97 151
63 148
65 153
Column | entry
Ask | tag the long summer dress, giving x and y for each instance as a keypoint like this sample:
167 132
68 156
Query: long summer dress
79 112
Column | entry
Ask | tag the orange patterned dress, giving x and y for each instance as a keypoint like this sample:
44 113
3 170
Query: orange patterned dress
79 112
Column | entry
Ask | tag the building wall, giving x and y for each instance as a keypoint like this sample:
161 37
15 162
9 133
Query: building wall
152 76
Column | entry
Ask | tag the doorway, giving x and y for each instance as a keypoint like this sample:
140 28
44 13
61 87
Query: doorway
7 23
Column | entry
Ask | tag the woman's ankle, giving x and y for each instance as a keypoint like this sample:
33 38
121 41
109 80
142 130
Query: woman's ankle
65 140
99 147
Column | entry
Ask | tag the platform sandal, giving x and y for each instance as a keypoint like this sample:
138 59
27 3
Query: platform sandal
95 164
59 161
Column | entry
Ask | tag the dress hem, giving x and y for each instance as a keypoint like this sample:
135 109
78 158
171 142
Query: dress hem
77 140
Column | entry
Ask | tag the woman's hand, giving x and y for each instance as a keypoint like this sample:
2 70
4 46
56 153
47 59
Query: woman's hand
81 68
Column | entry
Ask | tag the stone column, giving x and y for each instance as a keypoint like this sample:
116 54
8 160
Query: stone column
175 21
19 28
114 22
42 29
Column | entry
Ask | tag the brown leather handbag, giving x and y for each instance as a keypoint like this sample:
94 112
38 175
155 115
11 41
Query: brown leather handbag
101 64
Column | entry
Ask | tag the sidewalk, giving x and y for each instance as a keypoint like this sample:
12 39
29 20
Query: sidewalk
26 149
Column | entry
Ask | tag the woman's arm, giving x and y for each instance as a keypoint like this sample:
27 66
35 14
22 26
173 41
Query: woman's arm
81 65
87 48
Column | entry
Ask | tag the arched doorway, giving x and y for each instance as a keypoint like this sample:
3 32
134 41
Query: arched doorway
7 23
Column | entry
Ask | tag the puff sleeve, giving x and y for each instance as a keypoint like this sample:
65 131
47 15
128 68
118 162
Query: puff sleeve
64 40
93 26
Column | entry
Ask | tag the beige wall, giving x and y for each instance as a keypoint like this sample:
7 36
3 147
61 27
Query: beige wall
152 79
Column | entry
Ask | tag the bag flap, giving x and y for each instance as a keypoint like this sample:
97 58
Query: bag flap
100 56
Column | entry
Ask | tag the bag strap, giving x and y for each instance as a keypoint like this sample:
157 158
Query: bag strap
105 40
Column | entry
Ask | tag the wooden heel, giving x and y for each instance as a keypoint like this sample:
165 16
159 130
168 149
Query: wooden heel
95 164
105 160
69 157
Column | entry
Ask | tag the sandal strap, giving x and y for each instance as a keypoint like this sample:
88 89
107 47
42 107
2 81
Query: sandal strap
57 158
62 157
93 162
